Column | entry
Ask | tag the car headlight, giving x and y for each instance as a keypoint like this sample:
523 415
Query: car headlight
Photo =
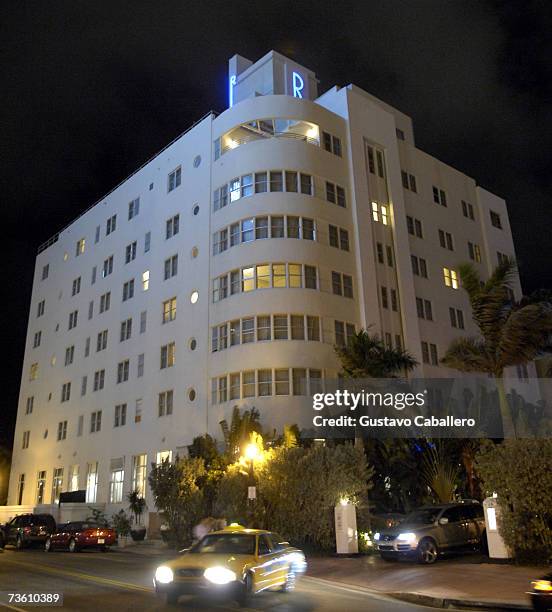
377 536
406 537
164 574
219 575
542 585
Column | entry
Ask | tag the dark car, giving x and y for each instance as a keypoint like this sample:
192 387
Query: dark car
433 530
76 535
27 529
541 594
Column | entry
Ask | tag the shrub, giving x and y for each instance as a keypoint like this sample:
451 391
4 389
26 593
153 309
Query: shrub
520 472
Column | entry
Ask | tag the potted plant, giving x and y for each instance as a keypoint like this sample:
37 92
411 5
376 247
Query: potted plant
137 505
121 524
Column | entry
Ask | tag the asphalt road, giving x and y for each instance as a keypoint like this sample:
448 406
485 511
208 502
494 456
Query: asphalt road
121 580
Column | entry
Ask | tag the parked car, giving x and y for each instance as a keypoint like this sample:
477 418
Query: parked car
27 529
233 563
433 530
541 594
76 535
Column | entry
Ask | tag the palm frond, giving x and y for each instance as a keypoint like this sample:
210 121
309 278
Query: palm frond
468 355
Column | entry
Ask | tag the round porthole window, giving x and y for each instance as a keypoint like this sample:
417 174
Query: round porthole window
191 395
197 161
194 297
195 252
196 209
193 344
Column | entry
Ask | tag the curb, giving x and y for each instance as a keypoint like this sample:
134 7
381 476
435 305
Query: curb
446 603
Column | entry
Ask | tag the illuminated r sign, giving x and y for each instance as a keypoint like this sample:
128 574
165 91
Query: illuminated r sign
231 90
298 85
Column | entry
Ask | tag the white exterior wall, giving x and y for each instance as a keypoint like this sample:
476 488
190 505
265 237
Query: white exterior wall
356 118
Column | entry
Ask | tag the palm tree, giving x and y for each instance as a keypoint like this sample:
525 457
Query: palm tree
238 432
366 356
512 333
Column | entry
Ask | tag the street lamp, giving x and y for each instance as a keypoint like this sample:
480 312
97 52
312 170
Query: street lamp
251 453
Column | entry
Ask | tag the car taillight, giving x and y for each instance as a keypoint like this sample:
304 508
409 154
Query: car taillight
90 533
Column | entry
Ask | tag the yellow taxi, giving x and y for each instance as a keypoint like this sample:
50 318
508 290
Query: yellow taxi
234 562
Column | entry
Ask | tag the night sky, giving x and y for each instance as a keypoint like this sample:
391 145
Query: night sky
90 90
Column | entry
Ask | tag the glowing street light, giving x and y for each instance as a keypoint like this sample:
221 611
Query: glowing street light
252 452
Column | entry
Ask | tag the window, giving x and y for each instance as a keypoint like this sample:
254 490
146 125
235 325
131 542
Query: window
84 383
87 347
80 247
120 415
80 425
26 439
73 317
168 355
172 226
379 213
145 280
330 192
384 298
380 163
62 430
69 355
502 258
334 236
97 236
408 181
96 421
76 286
495 219
45 271
281 381
138 411
276 181
439 196
307 229
171 266
128 290
169 310
467 210
419 266
101 341
126 330
280 327
450 278
165 404
297 326
105 301
73 484
339 330
337 283
399 133
143 321
474 252
306 183
90 309
394 300
263 327
99 380
111 225
445 240
107 266
264 382
116 480
424 308
40 308
174 179
66 392
29 405
147 242
130 252
140 369
429 353
139 470
33 372
37 338
133 208
91 482
414 227
456 318
40 487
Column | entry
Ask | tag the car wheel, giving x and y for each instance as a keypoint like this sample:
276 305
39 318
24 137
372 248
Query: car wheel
247 590
48 545
427 551
289 584
73 545
19 543
104 549
171 599
388 556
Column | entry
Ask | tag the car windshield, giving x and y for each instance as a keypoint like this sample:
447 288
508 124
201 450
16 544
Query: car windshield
424 516
231 543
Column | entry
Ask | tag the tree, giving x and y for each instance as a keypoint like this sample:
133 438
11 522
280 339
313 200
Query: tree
366 356
237 434
511 333
137 505
439 473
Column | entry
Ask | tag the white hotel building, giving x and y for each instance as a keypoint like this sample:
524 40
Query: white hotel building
224 270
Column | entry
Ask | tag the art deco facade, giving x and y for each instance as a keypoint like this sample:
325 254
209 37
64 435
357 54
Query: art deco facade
224 270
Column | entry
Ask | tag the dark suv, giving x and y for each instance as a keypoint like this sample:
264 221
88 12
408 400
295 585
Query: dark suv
432 530
27 529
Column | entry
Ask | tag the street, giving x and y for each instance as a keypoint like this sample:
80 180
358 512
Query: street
120 580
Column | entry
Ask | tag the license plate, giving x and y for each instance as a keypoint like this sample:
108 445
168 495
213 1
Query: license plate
101 541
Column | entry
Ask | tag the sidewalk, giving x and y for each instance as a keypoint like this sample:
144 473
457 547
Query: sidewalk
461 581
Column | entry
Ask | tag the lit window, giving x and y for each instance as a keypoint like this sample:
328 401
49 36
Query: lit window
450 278
145 280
